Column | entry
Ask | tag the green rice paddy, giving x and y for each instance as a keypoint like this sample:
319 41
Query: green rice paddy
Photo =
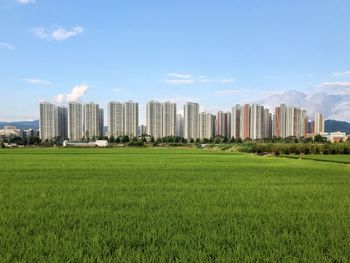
166 205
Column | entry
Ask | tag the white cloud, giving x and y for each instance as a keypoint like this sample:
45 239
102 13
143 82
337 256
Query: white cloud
37 81
331 85
57 34
336 87
179 76
118 90
342 74
26 1
227 80
6 45
76 93
227 92
187 79
333 106
179 81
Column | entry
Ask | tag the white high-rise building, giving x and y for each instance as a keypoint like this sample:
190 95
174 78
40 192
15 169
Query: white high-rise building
179 126
168 119
91 120
256 121
154 119
47 121
191 121
115 119
75 121
131 118
206 126
235 121
319 123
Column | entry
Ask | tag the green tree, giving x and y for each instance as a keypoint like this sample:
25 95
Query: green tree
125 139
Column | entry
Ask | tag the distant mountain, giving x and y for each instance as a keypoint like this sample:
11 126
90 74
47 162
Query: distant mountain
22 125
333 126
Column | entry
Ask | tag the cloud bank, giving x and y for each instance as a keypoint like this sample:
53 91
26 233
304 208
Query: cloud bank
333 106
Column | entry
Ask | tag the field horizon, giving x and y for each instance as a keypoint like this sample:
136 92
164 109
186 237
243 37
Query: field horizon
161 205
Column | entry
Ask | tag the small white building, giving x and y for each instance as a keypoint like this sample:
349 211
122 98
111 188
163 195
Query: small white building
98 143
335 136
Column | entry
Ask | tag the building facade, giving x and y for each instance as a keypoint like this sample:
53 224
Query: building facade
75 121
154 119
168 119
115 119
131 118
191 121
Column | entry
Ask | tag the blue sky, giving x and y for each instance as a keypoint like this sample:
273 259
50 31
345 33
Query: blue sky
217 53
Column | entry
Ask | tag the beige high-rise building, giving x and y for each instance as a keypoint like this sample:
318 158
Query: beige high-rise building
206 126
47 121
191 121
91 117
223 124
319 123
154 119
168 119
289 121
75 121
245 122
115 122
131 118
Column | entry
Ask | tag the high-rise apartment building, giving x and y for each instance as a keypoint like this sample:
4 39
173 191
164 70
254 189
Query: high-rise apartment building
131 118
319 123
206 126
256 127
115 122
236 121
142 130
267 133
91 118
179 126
191 121
47 121
101 122
289 121
61 122
154 119
245 122
75 121
168 119
223 124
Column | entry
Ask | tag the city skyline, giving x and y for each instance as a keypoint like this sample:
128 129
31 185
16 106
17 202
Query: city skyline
248 121
217 55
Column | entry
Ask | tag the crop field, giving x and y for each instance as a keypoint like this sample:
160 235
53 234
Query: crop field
165 205
337 158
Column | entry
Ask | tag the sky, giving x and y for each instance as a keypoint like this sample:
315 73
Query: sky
217 53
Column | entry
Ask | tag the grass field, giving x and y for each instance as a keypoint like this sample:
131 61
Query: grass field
161 205
337 158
